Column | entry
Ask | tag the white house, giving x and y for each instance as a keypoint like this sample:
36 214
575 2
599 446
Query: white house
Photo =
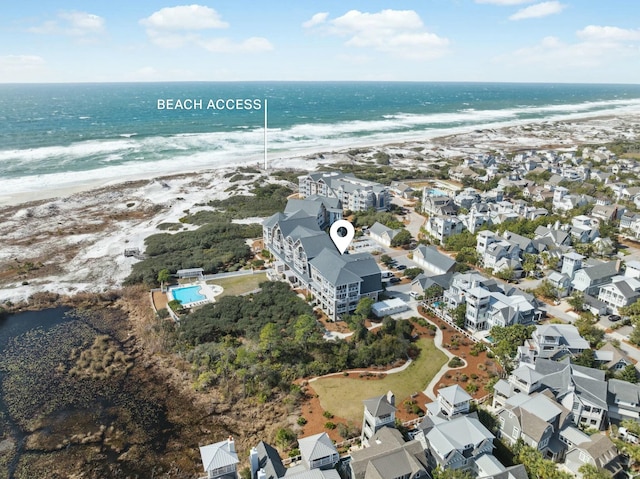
430 259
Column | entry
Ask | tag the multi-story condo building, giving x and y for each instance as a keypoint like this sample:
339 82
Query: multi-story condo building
379 412
354 193
552 341
307 257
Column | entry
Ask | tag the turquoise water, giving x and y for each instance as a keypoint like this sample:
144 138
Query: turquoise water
188 294
107 131
489 339
434 192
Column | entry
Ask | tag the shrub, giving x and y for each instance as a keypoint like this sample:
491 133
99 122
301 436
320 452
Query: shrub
301 421
327 414
455 362
329 425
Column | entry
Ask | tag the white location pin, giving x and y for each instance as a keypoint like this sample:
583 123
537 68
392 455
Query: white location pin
342 233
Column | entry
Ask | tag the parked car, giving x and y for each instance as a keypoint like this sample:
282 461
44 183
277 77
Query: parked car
614 317
394 280
401 267
414 294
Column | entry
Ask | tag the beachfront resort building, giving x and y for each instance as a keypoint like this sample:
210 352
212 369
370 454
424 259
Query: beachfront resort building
306 256
354 193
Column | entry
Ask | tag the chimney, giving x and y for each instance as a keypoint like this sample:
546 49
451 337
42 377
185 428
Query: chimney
254 462
231 444
391 399
261 474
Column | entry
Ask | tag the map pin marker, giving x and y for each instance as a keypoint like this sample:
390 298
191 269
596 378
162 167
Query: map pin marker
342 233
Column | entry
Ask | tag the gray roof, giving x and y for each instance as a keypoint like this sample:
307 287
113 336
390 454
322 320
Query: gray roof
625 392
432 256
454 394
379 229
521 241
527 374
457 433
514 472
215 456
388 456
316 447
269 460
602 270
562 377
349 268
293 473
379 406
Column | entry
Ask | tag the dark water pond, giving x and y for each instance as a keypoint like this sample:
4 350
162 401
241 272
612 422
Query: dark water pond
70 395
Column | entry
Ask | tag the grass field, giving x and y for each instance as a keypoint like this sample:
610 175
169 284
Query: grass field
343 396
239 284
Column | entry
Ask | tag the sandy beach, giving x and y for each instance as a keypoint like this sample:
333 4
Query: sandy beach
72 239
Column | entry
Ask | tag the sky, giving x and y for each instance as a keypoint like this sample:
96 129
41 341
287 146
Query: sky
583 41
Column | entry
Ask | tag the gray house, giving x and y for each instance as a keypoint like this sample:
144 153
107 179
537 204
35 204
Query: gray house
598 451
623 400
432 260
379 412
389 456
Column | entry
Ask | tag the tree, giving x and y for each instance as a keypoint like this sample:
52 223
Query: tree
459 314
439 473
576 300
530 263
629 374
587 359
386 259
546 290
505 274
468 255
411 273
364 307
433 291
163 277
285 438
589 471
402 238
269 337
457 242
304 328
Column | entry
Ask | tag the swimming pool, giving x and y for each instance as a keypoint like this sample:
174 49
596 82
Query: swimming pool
434 192
188 294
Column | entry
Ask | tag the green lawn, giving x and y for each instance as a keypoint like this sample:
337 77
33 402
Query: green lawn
343 396
239 284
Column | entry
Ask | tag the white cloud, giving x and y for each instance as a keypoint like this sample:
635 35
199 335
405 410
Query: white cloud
397 32
77 24
504 2
184 18
22 68
225 45
605 33
176 27
317 19
538 10
20 61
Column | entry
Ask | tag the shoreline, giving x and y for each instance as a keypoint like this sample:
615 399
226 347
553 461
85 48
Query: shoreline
74 243
30 191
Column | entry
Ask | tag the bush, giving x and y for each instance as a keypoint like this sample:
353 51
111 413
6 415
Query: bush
329 425
301 421
327 414
455 362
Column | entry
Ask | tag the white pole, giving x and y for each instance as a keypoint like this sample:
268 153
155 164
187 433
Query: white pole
265 133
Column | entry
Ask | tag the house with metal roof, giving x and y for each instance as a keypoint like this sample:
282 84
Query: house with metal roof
379 412
536 420
521 380
591 278
580 389
552 341
318 452
389 456
623 399
612 358
220 460
432 260
621 292
599 451
451 402
382 234
455 444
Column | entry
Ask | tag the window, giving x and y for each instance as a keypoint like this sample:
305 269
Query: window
516 431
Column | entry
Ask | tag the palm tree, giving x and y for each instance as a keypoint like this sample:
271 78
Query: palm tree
163 277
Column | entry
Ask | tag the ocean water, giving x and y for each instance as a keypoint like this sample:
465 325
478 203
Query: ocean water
51 135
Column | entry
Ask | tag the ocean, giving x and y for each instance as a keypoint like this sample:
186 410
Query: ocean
57 134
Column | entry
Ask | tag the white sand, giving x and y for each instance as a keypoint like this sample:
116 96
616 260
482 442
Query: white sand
55 231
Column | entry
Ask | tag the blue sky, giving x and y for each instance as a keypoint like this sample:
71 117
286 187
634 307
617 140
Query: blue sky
592 41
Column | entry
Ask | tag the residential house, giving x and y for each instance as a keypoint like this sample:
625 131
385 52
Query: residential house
354 193
220 460
584 229
612 358
632 269
536 420
621 292
389 456
607 213
451 402
401 189
438 205
623 400
597 450
549 341
441 227
459 173
522 380
467 198
571 263
594 305
558 236
382 234
591 278
318 452
433 261
264 459
581 390
455 444
379 412
422 282
630 224
561 283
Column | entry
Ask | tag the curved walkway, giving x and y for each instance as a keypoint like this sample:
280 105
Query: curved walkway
360 371
437 340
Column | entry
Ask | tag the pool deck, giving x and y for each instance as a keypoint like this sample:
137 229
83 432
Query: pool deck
208 291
